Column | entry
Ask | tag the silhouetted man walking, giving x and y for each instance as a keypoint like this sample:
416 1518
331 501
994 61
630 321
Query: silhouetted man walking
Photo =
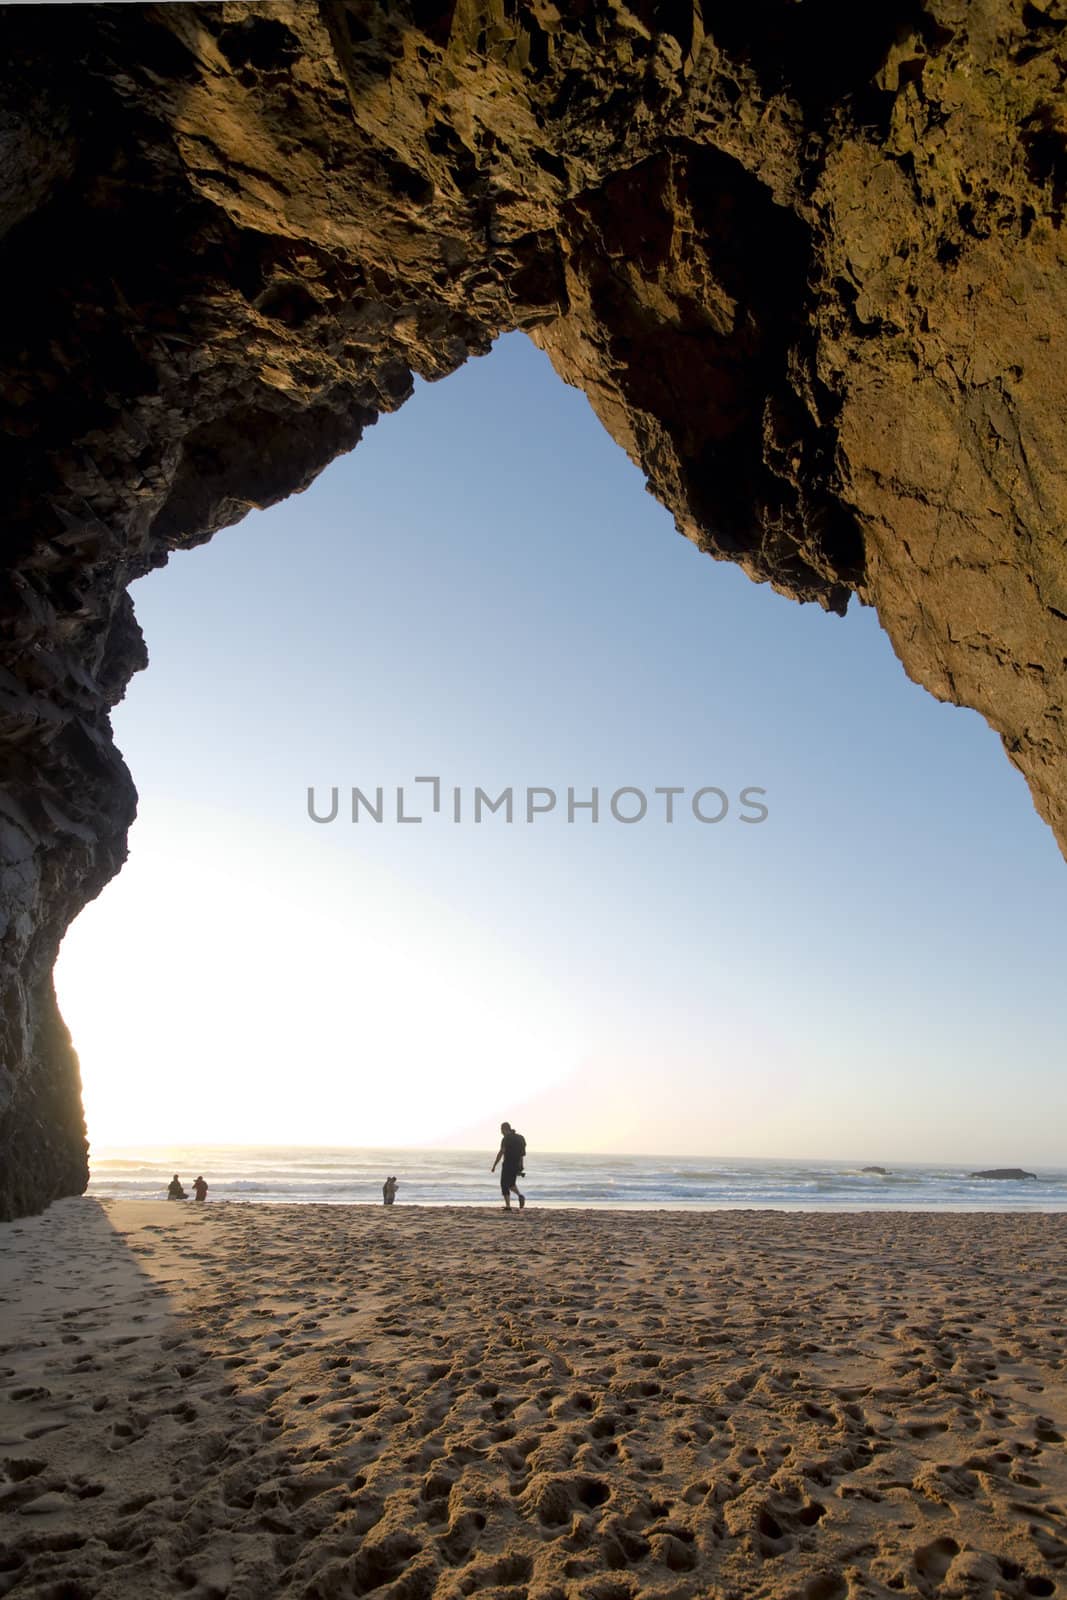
512 1153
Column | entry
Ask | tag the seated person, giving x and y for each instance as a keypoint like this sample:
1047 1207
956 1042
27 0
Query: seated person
175 1190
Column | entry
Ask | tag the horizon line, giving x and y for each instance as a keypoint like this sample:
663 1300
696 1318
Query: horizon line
431 1149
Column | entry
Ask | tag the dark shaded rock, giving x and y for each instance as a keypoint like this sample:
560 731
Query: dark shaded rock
807 263
1003 1172
881 1171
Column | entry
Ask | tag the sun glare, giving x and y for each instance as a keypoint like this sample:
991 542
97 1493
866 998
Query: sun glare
211 1006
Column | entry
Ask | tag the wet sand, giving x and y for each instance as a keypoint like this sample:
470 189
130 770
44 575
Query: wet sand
311 1401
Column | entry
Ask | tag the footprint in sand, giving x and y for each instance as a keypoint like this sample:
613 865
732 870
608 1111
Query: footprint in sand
825 1586
933 1560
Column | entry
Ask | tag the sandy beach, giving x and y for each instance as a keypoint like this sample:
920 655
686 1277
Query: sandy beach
313 1401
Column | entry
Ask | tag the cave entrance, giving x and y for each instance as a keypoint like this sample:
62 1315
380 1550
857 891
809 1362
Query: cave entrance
482 593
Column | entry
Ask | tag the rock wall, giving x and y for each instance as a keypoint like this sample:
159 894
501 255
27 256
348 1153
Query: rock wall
807 261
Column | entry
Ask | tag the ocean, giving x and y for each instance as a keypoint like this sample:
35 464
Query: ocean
272 1176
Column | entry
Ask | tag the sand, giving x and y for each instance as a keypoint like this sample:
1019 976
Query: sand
247 1401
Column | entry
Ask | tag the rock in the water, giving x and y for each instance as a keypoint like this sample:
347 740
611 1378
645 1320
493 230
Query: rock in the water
808 263
883 1172
1003 1172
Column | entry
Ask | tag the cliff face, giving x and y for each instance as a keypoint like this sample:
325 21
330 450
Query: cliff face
807 261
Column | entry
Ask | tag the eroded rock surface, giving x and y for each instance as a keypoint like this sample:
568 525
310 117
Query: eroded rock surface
807 261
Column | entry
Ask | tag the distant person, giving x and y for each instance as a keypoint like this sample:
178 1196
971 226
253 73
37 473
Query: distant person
200 1189
512 1153
175 1190
389 1188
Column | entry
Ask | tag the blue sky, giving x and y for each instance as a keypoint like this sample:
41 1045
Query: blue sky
484 590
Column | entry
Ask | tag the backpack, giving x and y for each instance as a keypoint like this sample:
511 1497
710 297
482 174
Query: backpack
517 1150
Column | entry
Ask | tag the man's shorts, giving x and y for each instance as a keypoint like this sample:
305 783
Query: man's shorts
507 1179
